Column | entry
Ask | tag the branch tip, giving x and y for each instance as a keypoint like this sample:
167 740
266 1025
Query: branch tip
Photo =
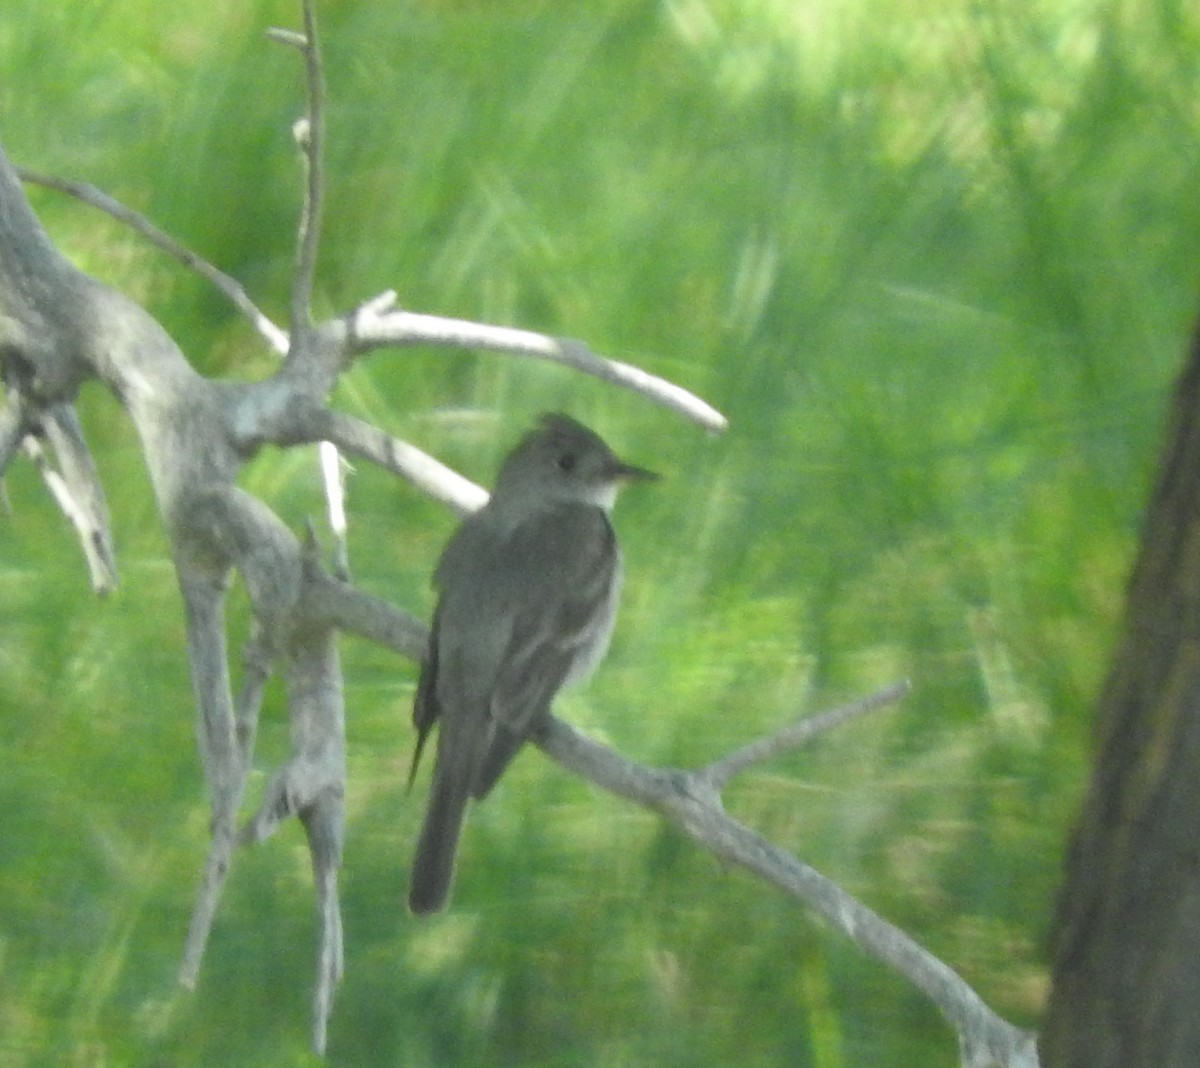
302 131
289 38
385 302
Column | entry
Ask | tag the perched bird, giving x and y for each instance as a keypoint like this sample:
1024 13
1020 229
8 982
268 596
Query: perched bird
528 589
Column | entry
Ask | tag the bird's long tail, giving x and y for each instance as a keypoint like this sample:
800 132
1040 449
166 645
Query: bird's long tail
433 865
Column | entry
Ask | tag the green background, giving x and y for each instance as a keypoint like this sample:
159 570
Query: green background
934 259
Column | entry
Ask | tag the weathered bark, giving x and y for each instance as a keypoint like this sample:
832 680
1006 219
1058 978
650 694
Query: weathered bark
1127 938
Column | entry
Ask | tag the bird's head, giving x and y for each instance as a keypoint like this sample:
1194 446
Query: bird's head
562 460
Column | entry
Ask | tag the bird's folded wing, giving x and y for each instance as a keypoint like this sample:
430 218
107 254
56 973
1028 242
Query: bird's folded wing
561 614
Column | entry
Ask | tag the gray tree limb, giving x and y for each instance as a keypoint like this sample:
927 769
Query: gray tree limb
60 328
691 801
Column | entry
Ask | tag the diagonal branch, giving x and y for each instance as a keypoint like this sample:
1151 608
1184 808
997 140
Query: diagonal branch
691 802
793 736
355 437
228 286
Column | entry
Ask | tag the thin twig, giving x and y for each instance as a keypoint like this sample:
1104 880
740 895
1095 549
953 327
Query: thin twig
230 287
793 736
310 136
309 133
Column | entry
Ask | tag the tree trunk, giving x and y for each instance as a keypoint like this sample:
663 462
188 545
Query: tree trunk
1126 984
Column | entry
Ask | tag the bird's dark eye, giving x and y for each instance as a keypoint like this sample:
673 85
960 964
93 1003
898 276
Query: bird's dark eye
566 462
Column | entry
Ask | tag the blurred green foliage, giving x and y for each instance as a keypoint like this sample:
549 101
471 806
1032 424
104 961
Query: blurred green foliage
935 259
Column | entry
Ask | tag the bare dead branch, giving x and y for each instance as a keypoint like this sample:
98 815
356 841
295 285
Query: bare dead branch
333 475
312 783
690 801
328 599
793 736
357 438
330 952
228 286
323 825
82 495
309 133
236 294
194 448
75 486
220 755
378 323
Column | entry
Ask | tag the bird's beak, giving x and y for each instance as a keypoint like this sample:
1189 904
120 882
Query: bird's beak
623 472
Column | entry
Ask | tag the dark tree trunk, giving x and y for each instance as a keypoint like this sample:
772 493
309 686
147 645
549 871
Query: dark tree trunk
1126 984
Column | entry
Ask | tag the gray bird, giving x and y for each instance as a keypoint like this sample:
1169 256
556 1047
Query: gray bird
528 590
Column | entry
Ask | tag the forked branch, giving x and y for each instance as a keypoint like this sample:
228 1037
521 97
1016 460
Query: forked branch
64 328
691 801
